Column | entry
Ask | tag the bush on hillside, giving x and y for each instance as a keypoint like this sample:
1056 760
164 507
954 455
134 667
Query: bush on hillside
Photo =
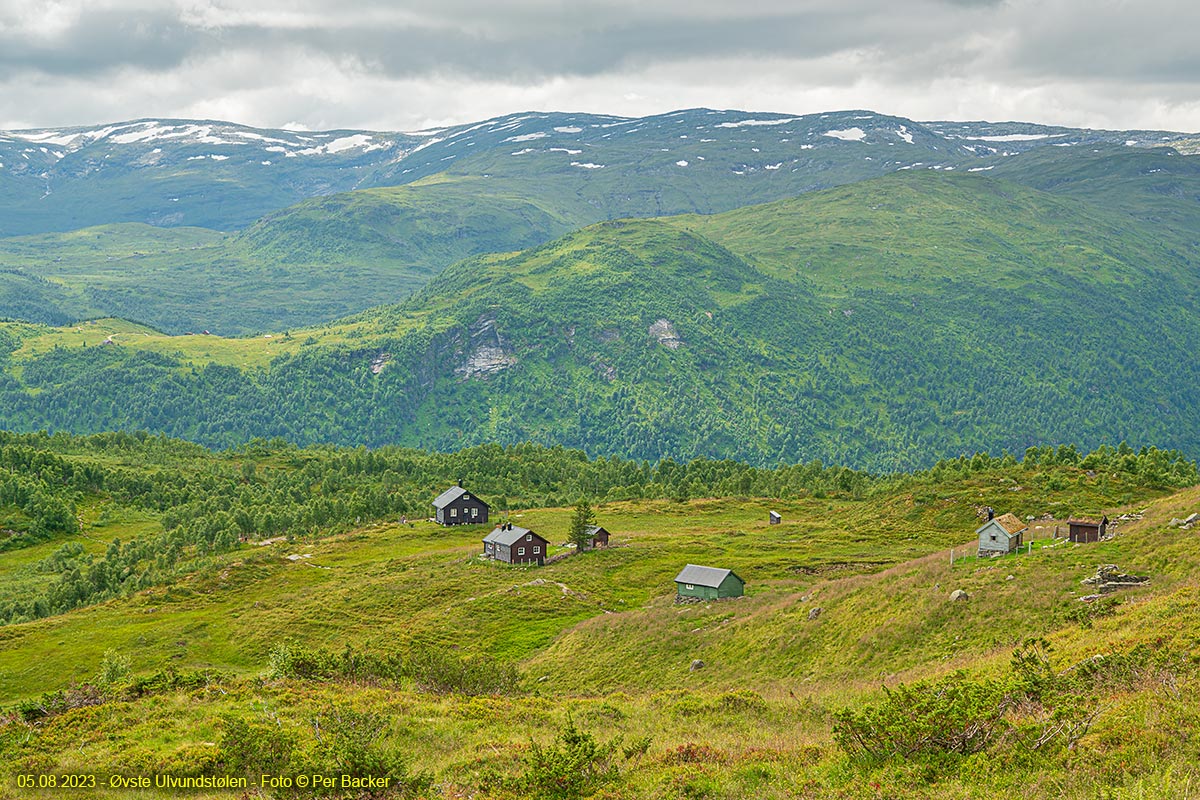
255 746
432 669
574 765
952 715
349 742
1036 708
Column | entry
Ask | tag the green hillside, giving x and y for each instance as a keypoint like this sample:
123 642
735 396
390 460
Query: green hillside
882 325
491 187
337 639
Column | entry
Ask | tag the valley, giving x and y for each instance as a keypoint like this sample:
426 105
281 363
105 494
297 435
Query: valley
237 365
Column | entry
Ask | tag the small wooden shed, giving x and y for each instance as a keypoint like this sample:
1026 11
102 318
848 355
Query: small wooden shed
457 506
596 537
708 583
1002 534
1082 530
773 517
513 544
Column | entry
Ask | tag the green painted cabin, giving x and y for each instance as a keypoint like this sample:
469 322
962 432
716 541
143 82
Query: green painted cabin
708 583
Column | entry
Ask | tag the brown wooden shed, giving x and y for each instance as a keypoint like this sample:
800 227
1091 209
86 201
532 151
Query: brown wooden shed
596 535
515 545
1083 530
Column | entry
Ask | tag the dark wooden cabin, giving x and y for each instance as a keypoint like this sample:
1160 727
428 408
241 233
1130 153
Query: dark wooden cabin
774 518
515 545
457 506
1083 530
596 537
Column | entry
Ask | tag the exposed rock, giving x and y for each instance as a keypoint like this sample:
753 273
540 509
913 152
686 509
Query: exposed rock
1009 578
1109 579
959 595
813 614
664 332
489 354
379 361
697 664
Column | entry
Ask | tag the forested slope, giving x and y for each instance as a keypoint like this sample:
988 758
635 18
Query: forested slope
881 325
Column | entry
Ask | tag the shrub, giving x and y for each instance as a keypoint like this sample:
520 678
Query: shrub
433 669
575 765
255 747
952 715
51 704
1086 613
350 742
114 667
170 679
442 672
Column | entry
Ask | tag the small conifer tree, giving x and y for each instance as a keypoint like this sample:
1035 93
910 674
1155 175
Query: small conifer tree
582 518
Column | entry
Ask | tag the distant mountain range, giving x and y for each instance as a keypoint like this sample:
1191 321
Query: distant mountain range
852 287
224 176
440 196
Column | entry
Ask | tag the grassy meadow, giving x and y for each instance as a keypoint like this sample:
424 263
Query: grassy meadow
593 690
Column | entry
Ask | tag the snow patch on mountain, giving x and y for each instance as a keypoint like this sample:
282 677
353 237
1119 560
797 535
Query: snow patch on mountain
527 137
749 122
854 134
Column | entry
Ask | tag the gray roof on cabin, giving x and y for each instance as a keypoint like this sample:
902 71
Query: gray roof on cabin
592 530
450 495
704 576
508 537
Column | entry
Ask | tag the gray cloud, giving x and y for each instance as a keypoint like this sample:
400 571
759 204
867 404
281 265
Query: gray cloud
103 40
284 60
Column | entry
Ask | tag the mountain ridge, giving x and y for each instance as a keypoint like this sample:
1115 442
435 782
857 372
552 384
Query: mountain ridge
224 175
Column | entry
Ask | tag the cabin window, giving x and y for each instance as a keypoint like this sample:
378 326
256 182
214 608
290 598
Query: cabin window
529 537
466 497
520 551
536 550
690 586
993 537
474 512
454 512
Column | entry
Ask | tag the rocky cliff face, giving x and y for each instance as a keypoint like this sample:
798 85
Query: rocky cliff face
488 353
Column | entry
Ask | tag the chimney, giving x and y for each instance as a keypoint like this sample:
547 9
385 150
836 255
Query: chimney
991 513
460 483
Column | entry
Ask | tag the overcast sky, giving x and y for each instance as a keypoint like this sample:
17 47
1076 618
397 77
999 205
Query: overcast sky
413 64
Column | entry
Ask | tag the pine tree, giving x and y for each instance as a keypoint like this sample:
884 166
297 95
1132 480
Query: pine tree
580 520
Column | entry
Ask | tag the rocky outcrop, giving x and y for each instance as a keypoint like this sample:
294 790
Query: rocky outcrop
1109 579
662 331
488 354
378 362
